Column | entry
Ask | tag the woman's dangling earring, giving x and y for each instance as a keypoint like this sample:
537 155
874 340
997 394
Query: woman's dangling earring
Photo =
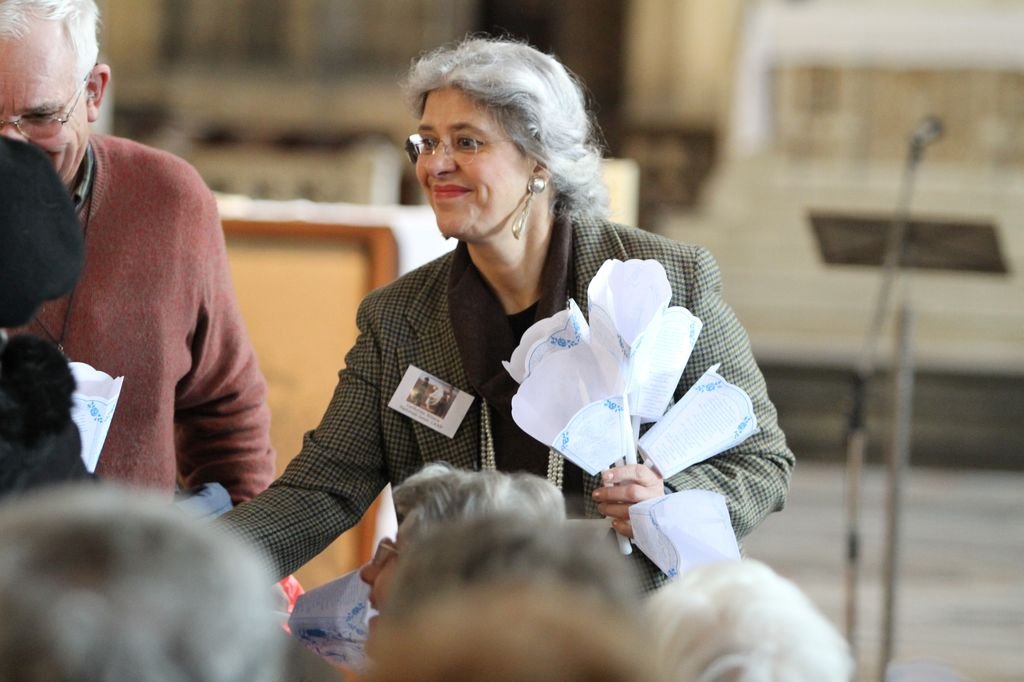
536 185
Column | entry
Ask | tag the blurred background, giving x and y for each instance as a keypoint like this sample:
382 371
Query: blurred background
749 127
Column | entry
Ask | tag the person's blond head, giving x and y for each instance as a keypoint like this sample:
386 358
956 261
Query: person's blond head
508 633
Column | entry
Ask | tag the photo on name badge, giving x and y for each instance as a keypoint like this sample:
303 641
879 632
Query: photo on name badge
432 395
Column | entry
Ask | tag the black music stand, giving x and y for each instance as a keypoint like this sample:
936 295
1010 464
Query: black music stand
930 243
893 242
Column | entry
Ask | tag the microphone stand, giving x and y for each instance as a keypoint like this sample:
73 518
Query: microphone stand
857 435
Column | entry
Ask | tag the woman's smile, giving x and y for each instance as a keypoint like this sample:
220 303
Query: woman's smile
448 191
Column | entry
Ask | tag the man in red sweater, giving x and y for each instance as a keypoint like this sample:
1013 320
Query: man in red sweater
154 303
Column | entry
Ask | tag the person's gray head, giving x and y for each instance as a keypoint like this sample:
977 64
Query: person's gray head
739 621
539 103
100 584
79 18
507 552
439 493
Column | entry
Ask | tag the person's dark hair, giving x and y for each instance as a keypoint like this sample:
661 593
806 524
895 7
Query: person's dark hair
40 260
39 443
42 250
538 102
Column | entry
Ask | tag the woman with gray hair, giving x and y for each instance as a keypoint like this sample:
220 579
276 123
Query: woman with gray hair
437 497
440 493
509 159
513 551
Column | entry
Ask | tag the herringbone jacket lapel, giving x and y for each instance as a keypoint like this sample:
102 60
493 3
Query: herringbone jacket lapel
433 350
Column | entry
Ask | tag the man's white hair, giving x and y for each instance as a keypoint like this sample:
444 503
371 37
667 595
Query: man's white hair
79 19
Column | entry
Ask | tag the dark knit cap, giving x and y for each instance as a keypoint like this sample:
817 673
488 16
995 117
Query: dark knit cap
41 248
39 443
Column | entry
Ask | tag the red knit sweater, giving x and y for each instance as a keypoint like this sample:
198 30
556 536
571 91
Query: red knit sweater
155 305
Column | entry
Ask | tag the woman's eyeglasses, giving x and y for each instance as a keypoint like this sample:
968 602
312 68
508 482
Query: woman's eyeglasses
386 549
463 148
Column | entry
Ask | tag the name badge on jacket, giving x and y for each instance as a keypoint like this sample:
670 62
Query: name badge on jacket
430 401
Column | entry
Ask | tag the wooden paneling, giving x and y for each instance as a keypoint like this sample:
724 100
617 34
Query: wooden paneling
299 286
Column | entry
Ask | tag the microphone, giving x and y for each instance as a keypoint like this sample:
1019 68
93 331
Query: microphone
926 132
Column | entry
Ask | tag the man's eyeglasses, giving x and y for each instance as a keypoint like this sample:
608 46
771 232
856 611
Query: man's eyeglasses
386 549
463 148
44 126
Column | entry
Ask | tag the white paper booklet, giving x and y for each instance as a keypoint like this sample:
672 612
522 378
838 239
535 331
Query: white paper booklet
333 620
92 408
683 530
712 417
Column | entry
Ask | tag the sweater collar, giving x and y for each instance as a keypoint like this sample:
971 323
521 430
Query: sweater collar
84 187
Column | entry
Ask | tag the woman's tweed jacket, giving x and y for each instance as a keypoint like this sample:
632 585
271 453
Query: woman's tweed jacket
361 444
